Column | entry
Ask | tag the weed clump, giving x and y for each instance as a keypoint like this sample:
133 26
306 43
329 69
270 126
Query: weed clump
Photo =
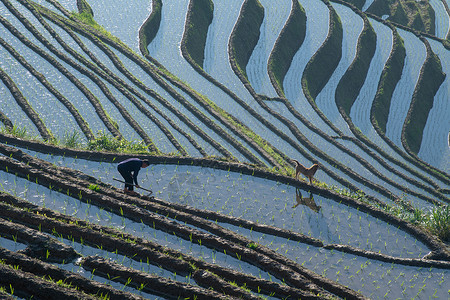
439 222
436 221
19 132
106 142
94 187
72 140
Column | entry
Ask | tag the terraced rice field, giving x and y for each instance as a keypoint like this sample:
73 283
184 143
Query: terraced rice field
221 96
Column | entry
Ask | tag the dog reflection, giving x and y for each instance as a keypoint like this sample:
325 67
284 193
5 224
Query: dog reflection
306 201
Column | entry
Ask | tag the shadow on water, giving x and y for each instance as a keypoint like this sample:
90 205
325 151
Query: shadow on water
306 201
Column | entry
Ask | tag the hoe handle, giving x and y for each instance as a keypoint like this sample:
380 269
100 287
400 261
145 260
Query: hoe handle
133 185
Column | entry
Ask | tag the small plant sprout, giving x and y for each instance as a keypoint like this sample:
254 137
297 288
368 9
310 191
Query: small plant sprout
94 187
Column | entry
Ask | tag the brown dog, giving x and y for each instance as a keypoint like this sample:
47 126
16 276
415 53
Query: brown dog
308 172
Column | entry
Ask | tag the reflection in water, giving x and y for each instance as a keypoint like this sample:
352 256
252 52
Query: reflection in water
306 201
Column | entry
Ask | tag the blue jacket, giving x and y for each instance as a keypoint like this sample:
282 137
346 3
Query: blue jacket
130 165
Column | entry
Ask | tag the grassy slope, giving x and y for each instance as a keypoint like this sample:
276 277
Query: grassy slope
410 13
199 18
351 83
322 65
246 33
430 80
389 79
150 28
287 44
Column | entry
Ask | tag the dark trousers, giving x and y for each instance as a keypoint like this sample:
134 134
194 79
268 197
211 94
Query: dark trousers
128 178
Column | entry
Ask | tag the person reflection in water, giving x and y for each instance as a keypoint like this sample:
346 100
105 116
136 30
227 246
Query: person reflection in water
306 201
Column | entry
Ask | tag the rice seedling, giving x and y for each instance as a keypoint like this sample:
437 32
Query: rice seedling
20 132
72 140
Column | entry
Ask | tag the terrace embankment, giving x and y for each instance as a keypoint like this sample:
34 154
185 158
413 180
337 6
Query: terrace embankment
150 28
348 89
390 76
273 155
155 284
360 64
362 142
137 248
26 285
184 213
40 245
27 280
198 19
74 182
85 71
87 93
352 81
84 126
430 79
125 88
245 34
333 36
379 113
6 122
289 41
392 70
323 63
418 15
157 75
229 242
26 107
133 95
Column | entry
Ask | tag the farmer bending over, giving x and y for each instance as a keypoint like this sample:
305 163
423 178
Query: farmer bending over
129 169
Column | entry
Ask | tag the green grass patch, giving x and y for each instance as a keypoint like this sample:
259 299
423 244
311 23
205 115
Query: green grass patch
19 132
94 187
436 221
439 222
106 142
72 140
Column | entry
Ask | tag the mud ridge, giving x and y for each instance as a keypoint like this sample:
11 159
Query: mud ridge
23 103
156 77
31 268
423 236
128 91
317 151
234 245
88 94
165 287
159 255
128 118
84 126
